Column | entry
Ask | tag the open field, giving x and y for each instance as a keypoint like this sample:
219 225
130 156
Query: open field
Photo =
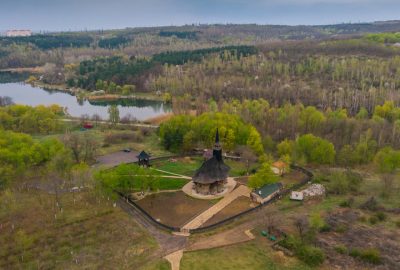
254 255
173 208
88 234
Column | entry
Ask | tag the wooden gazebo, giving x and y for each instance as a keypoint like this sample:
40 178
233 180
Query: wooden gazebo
143 159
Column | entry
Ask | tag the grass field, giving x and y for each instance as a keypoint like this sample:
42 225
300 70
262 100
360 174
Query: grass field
87 234
254 255
184 166
188 166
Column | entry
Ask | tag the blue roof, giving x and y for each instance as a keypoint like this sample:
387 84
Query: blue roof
267 190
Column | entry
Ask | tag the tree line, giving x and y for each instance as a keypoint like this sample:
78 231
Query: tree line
46 42
32 120
127 70
292 76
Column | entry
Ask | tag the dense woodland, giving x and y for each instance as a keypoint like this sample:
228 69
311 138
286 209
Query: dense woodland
124 70
40 49
325 97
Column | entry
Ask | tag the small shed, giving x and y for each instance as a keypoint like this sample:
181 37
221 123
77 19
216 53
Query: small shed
143 159
279 167
296 196
265 193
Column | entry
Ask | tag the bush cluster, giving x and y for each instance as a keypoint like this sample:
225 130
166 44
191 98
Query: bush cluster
312 256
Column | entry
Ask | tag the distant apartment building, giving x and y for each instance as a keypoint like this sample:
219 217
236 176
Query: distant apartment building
18 33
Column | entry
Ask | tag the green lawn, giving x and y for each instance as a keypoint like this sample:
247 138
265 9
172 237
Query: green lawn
254 255
182 166
188 166
171 183
164 183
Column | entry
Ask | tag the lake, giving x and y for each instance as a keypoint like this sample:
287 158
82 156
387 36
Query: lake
26 94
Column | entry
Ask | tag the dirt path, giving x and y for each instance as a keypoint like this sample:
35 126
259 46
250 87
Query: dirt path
175 259
225 238
210 212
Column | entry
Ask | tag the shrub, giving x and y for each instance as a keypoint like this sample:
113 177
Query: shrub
378 217
347 203
373 220
370 255
290 242
381 216
310 255
362 218
341 249
325 228
341 228
343 182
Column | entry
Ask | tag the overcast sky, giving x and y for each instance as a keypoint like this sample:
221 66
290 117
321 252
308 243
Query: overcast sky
105 14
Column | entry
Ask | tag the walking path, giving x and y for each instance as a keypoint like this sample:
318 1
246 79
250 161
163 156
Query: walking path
210 212
175 174
175 259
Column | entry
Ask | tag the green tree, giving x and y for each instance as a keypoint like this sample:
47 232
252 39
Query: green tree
362 113
254 141
347 156
311 118
315 149
113 114
263 176
387 162
83 146
366 148
285 147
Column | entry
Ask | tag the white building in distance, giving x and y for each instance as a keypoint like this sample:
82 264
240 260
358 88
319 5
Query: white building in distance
18 33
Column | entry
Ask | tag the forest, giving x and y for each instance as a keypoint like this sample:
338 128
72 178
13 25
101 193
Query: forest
124 70
318 99
46 42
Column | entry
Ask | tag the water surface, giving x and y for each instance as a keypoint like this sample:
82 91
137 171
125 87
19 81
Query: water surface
33 96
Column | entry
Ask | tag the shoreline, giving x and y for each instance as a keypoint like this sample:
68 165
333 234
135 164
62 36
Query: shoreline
90 97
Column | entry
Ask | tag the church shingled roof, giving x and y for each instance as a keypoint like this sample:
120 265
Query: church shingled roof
213 169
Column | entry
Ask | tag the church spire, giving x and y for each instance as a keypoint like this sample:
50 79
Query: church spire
217 151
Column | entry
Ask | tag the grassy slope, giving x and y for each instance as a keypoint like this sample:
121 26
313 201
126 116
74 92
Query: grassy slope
253 255
89 234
